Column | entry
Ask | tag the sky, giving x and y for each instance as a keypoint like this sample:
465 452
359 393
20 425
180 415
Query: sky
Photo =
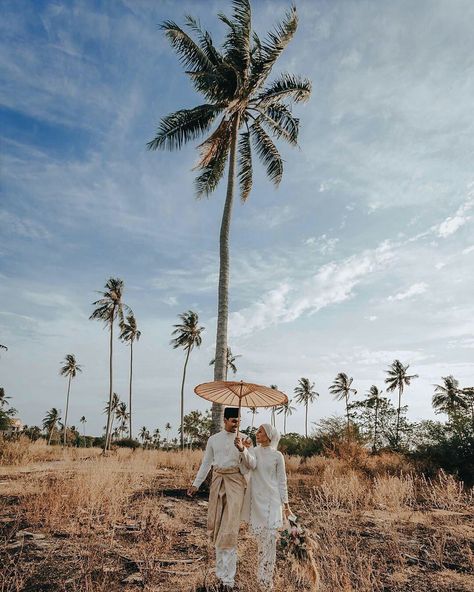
363 255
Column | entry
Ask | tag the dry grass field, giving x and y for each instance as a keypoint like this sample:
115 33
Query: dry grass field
74 520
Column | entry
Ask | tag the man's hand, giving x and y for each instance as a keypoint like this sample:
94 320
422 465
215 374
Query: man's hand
192 491
248 442
239 444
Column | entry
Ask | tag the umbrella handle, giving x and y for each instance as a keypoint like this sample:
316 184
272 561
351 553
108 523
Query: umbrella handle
240 406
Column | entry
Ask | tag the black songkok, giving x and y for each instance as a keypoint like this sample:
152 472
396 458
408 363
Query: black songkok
230 412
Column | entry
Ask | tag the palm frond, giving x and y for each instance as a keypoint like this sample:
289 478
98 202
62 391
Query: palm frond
279 119
214 153
245 166
287 86
271 49
267 153
182 126
237 42
190 54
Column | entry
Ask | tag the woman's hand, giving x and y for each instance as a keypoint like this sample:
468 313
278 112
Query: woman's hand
239 444
286 511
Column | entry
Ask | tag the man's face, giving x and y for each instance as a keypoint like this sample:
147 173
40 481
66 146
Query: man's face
231 424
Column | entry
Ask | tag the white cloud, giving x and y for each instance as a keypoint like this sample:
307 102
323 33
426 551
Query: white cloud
468 250
453 223
331 284
24 227
414 290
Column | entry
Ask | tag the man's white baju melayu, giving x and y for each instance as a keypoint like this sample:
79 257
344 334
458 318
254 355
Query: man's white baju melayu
265 496
225 499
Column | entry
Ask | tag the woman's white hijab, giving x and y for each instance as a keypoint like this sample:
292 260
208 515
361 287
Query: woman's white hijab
273 434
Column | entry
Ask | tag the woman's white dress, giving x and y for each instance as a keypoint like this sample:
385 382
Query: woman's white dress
266 494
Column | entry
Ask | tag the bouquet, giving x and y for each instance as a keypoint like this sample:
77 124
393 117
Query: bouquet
299 548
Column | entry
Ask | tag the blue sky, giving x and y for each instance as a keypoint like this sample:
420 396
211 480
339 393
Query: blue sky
364 254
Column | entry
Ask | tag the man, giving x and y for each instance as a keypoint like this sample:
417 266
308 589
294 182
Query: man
231 460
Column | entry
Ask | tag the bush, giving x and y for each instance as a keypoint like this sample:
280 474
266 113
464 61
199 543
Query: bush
447 446
127 443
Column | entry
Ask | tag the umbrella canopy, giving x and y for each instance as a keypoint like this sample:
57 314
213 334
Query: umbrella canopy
240 394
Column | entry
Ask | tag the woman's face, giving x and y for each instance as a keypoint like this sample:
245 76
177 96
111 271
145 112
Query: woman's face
261 437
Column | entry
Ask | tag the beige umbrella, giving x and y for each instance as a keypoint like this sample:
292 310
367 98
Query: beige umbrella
240 394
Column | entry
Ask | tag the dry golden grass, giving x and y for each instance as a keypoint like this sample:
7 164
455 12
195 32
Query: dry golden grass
97 523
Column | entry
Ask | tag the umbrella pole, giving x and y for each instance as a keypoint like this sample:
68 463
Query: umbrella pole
240 407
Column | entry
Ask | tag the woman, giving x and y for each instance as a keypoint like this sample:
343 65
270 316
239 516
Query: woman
266 495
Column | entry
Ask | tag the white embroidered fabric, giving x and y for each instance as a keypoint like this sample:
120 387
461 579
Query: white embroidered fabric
266 541
226 565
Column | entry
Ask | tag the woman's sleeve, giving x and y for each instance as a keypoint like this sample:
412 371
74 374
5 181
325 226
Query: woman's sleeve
281 477
248 459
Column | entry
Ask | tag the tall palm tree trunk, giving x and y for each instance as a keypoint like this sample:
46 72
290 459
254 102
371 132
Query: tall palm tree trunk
284 423
347 416
130 393
182 398
50 435
108 428
374 447
306 421
223 290
398 415
67 407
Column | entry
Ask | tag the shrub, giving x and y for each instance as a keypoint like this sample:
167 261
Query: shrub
127 443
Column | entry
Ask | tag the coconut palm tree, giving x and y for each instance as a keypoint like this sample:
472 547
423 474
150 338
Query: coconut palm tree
83 420
273 409
110 408
167 430
129 334
254 412
49 422
287 409
397 379
305 394
341 389
122 415
248 111
3 397
468 396
156 437
448 397
188 336
69 368
108 309
373 402
230 362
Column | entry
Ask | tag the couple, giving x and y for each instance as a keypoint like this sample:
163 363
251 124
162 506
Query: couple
247 484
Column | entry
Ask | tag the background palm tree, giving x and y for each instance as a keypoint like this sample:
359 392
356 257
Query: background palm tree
230 362
3 397
3 347
49 422
69 368
448 397
156 437
110 408
130 333
273 409
287 409
373 402
341 389
188 336
167 430
122 416
83 420
108 308
397 379
254 412
468 396
305 394
232 81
